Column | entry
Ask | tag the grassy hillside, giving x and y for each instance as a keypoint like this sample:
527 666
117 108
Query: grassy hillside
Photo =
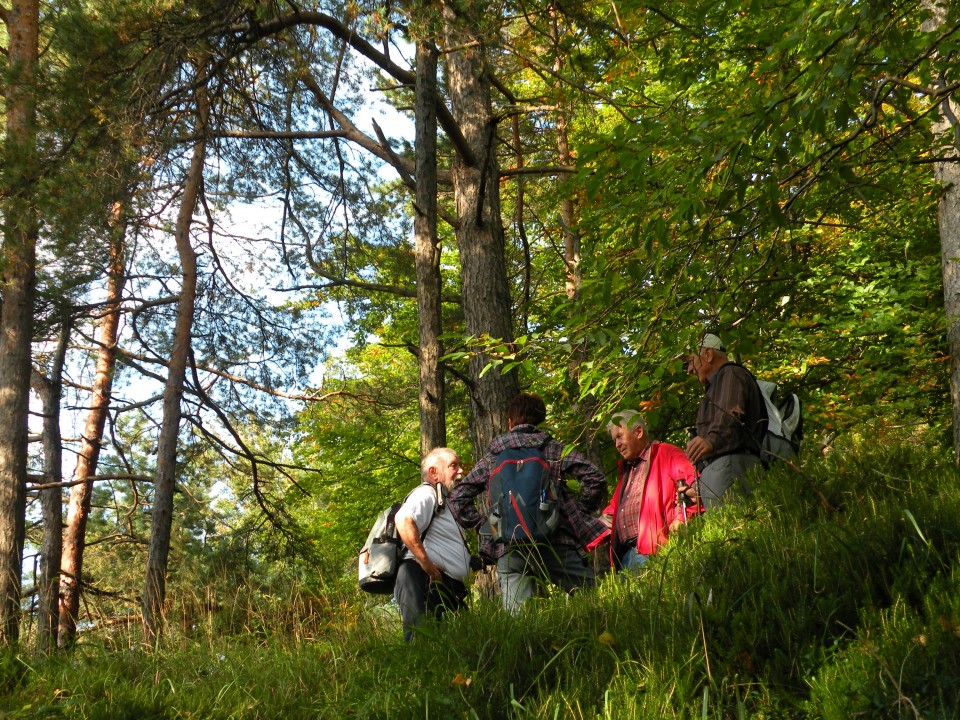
832 594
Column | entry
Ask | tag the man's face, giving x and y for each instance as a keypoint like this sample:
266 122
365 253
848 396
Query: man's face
697 364
449 471
630 443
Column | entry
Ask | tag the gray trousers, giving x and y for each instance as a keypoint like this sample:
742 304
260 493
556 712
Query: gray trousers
523 568
724 478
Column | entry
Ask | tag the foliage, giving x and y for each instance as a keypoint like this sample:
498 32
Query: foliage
760 174
363 440
779 606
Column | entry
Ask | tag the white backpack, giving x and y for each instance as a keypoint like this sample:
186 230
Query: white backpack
784 424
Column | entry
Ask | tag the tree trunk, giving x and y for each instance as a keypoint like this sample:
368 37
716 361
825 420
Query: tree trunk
78 509
16 318
154 589
433 431
946 133
585 408
476 185
50 391
948 215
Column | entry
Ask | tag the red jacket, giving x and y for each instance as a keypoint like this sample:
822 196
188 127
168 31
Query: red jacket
658 508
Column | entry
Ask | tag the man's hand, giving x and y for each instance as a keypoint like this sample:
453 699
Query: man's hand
607 520
698 448
687 494
430 568
410 535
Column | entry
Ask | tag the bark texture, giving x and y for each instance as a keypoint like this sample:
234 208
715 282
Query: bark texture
948 215
18 287
433 432
946 134
50 391
480 238
78 508
154 590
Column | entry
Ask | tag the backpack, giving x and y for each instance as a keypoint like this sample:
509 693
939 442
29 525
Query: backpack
785 423
523 497
380 555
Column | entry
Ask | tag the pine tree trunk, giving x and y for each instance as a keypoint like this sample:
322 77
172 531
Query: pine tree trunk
154 590
433 431
18 287
476 184
50 391
78 508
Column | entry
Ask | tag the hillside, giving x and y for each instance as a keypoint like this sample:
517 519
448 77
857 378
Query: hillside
794 604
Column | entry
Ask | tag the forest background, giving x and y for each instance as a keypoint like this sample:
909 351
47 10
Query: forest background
589 187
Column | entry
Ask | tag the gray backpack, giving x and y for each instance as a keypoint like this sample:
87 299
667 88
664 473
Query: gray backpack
380 555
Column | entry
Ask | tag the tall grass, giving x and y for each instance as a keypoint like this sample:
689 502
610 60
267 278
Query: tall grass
781 606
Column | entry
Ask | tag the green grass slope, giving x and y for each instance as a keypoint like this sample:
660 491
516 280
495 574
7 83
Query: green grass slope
829 594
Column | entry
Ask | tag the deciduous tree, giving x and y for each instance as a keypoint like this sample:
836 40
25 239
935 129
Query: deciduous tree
946 167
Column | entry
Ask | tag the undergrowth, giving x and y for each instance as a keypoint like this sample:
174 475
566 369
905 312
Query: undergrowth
831 593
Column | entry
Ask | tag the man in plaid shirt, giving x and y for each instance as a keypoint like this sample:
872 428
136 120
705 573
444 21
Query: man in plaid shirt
562 558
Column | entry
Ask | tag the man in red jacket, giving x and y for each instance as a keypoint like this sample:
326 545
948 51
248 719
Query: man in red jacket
650 500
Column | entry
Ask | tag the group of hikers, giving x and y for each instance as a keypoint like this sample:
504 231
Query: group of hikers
659 487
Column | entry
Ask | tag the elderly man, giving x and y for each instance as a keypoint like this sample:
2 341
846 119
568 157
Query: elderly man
731 423
436 561
559 555
650 500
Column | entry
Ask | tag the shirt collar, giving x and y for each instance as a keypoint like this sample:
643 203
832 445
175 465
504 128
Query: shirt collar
645 455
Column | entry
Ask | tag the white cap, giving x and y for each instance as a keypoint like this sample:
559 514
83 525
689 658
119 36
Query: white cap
712 342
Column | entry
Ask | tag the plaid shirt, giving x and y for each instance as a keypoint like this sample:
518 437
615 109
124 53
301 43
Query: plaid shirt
578 526
634 481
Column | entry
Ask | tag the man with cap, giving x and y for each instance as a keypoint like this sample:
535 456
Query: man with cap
731 423
650 500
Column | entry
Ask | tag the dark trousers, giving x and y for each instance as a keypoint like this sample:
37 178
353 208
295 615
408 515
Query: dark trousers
418 597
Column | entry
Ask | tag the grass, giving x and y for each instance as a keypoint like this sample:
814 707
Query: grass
774 608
